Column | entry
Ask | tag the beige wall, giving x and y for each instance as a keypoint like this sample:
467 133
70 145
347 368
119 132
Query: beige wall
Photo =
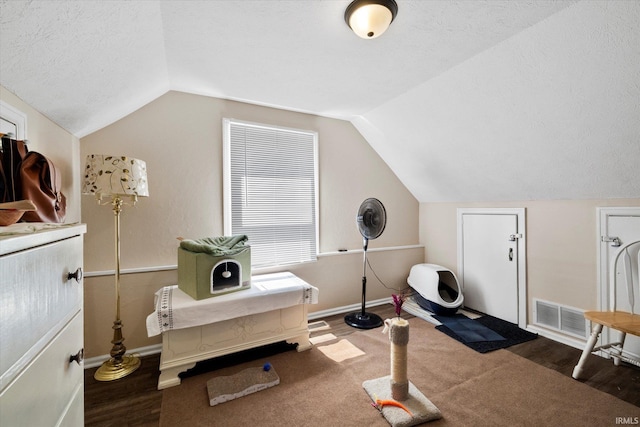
60 146
561 245
180 137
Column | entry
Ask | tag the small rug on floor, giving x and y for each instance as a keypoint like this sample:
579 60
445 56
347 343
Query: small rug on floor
468 330
510 333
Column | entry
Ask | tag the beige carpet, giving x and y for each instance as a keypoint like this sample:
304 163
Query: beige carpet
470 389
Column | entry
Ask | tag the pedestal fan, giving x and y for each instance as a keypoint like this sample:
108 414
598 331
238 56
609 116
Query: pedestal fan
371 221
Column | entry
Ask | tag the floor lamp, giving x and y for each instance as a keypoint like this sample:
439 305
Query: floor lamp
116 181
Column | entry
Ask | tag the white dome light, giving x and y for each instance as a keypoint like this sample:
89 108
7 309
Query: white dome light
370 18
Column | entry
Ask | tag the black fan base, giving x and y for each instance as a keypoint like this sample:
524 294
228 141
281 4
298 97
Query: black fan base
363 321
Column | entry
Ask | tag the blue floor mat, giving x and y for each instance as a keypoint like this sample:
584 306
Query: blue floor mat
511 332
469 330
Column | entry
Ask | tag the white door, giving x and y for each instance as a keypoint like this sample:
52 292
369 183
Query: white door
617 226
490 260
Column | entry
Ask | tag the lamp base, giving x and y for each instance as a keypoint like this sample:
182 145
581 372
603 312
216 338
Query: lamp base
113 370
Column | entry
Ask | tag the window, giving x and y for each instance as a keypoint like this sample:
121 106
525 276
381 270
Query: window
271 191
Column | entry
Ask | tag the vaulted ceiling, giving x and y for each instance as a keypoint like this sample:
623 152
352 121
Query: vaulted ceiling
450 96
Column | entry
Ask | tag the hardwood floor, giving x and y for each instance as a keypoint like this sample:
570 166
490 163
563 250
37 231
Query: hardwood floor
134 400
131 401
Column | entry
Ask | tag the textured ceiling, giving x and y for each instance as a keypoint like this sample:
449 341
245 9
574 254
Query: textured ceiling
430 95
85 64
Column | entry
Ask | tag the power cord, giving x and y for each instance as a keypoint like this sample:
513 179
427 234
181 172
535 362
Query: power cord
380 280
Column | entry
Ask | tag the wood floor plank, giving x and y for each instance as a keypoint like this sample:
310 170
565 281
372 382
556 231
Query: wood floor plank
133 400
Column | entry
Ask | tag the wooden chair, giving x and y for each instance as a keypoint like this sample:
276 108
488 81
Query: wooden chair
622 321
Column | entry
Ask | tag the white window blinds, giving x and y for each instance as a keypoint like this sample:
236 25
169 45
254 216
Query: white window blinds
270 191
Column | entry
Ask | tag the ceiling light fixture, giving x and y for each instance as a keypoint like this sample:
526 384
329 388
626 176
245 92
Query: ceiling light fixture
370 18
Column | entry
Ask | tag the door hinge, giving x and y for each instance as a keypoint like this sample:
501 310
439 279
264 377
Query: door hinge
615 241
514 237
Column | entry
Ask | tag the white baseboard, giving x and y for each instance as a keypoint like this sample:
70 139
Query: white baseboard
157 348
563 339
347 308
94 362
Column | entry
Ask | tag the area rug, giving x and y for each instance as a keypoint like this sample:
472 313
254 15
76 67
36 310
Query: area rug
470 389
510 333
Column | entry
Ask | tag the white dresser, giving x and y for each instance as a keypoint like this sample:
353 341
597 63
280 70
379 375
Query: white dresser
41 328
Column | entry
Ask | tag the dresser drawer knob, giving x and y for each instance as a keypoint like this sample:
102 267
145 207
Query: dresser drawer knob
75 275
78 357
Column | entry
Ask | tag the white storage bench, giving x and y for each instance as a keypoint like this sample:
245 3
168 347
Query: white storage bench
274 309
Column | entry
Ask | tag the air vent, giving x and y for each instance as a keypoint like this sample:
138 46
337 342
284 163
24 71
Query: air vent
562 318
573 321
547 314
318 326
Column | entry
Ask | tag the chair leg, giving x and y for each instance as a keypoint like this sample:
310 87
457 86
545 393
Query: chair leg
588 348
618 349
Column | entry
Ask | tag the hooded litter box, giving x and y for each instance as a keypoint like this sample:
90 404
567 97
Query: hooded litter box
437 289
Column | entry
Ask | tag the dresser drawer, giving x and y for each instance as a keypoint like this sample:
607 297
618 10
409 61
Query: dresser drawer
74 416
37 299
41 394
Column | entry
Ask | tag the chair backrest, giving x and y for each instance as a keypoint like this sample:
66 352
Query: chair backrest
626 263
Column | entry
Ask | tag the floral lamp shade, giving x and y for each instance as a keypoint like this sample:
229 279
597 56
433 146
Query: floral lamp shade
115 176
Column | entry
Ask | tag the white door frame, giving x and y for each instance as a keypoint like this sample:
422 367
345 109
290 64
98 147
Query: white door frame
16 117
521 254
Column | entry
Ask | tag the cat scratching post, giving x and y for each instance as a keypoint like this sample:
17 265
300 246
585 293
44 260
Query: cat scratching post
399 337
397 387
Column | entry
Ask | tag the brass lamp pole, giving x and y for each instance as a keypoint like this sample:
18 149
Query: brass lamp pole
117 178
119 365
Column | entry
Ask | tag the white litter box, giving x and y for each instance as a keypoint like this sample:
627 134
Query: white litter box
438 290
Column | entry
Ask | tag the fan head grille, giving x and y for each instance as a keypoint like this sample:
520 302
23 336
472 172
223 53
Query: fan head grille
371 219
